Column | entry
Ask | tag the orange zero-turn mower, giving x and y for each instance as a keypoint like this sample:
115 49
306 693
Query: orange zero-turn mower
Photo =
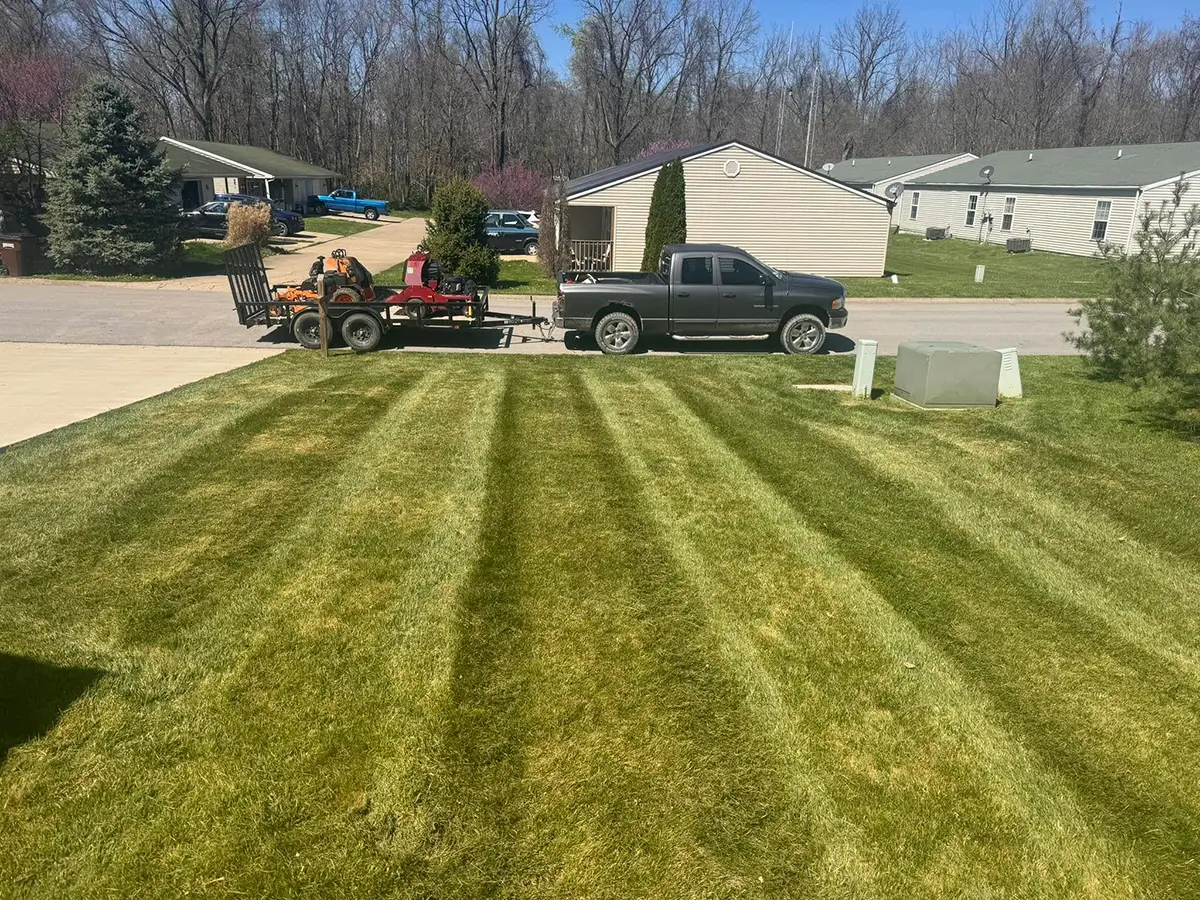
341 278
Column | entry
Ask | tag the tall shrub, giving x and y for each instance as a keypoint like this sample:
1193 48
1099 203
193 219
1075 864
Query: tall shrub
455 233
110 206
554 240
667 222
1145 327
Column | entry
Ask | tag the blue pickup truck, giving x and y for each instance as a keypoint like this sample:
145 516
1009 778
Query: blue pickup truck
348 201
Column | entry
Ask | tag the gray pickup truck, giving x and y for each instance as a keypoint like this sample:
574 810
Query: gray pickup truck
701 292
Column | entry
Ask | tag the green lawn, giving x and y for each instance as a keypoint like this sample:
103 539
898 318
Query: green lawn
198 258
947 269
418 625
517 276
337 225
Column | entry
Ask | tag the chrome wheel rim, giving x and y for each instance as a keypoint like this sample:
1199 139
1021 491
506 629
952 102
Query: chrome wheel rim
804 336
617 335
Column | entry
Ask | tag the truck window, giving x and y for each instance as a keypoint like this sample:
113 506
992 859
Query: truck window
492 222
696 270
510 222
738 271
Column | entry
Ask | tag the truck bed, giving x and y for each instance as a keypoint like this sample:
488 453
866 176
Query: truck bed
610 278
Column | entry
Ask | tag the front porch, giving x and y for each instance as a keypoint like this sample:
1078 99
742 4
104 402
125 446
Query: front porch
591 238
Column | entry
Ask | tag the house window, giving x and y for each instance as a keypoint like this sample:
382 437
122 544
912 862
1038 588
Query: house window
1010 207
913 204
1100 221
972 206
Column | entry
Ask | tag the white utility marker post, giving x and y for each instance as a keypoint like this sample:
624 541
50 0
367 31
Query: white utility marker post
979 270
864 370
1010 374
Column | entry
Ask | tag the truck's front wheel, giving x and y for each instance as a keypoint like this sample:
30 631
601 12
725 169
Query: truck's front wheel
803 333
617 332
371 213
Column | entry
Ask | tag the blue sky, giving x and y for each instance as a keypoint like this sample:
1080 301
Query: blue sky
921 16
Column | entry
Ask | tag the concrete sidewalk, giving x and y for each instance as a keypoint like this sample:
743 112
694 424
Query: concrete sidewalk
47 386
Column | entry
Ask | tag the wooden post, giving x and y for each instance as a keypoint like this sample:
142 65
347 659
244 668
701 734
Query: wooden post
323 308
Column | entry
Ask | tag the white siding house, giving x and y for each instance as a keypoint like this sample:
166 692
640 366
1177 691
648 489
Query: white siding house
788 216
874 174
1072 200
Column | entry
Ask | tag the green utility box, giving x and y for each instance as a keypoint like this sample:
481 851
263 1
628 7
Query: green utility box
947 374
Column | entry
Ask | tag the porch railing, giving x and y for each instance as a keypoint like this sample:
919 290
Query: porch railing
591 256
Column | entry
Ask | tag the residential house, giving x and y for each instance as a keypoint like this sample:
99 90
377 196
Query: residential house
213 168
877 173
1070 200
788 216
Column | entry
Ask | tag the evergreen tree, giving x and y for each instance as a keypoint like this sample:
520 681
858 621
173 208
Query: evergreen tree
110 206
456 236
667 222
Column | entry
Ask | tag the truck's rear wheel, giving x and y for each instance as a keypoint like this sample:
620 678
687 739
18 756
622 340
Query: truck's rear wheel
371 213
803 333
362 332
617 332
306 328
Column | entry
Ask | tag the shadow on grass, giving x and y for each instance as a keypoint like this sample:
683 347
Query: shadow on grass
583 341
33 694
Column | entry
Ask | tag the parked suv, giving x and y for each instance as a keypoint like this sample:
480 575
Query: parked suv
508 231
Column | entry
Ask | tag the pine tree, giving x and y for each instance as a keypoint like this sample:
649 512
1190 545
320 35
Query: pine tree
110 208
667 222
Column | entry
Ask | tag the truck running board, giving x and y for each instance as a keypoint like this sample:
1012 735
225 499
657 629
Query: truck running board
720 337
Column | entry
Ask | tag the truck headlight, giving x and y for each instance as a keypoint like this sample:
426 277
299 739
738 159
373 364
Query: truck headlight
839 302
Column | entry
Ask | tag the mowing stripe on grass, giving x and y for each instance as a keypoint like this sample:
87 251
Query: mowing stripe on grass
1150 614
827 661
156 715
588 748
1115 723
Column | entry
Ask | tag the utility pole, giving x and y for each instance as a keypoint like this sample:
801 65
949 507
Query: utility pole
812 101
783 94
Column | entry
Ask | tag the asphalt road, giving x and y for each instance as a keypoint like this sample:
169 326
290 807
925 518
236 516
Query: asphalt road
84 314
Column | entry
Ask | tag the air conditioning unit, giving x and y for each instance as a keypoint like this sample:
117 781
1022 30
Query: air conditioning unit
947 374
1018 245
937 234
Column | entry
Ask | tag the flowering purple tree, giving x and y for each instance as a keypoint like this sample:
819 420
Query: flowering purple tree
663 146
513 187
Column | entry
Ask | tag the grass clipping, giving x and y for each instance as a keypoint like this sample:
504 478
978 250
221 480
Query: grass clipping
249 224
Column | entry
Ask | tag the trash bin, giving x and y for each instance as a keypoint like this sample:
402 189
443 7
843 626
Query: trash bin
20 253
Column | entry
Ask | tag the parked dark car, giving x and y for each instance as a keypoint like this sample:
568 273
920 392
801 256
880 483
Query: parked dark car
508 231
701 292
212 220
293 220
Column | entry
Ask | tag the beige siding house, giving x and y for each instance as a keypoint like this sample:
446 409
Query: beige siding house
1072 200
789 217
876 173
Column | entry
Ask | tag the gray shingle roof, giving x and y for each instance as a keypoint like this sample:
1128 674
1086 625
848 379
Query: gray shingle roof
1137 166
196 165
633 167
262 160
865 172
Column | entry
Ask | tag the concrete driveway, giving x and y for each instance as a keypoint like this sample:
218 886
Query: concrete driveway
46 386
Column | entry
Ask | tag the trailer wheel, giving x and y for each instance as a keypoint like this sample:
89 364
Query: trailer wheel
362 332
371 213
617 333
803 333
306 328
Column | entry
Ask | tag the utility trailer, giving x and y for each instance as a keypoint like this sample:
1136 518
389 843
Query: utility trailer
342 299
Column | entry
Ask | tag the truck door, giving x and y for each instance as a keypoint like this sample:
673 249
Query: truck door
694 296
746 304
